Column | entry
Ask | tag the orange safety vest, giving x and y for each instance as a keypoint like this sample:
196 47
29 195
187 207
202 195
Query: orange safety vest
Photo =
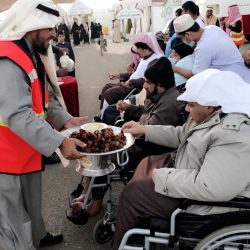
16 155
238 38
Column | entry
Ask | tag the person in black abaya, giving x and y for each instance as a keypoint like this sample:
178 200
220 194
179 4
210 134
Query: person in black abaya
76 33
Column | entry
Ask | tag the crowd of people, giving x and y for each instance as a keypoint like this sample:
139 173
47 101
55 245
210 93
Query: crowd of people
187 103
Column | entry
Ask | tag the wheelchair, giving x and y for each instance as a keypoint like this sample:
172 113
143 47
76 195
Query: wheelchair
226 231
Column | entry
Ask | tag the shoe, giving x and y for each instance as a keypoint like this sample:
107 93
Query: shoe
53 159
78 218
97 119
51 239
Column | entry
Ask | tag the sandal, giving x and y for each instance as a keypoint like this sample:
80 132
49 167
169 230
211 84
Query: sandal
78 218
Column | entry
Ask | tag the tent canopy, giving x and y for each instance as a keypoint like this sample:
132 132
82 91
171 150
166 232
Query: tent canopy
79 8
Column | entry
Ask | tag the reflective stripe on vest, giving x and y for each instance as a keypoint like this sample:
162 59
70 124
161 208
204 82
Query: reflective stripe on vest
17 156
238 38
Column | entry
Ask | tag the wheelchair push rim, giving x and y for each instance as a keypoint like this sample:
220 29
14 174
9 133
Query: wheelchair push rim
228 238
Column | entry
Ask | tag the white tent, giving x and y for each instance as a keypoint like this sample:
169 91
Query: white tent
138 11
79 8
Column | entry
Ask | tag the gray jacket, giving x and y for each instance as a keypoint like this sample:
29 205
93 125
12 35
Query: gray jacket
212 161
16 110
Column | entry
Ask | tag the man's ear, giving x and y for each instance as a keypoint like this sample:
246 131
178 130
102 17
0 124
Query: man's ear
211 109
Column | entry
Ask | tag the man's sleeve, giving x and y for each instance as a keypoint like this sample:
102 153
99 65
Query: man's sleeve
16 111
223 174
56 113
168 136
202 58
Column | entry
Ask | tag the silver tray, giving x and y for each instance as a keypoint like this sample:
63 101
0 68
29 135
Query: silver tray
129 139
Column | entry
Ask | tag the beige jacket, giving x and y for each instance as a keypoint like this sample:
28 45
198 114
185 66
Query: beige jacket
212 162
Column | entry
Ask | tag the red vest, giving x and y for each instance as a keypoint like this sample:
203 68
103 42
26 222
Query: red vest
16 155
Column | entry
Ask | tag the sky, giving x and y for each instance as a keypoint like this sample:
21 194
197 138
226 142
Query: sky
100 4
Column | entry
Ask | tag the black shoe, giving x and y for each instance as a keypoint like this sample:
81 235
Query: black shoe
97 119
53 159
78 218
51 239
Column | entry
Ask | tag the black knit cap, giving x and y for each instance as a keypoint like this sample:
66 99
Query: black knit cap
183 49
160 72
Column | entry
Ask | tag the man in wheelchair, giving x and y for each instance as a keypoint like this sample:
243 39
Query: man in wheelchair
161 109
212 160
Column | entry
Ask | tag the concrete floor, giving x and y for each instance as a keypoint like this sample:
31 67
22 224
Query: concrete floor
91 72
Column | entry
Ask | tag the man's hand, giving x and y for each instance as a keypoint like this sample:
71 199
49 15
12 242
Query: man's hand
68 148
133 128
122 106
113 76
131 67
76 121
127 85
61 72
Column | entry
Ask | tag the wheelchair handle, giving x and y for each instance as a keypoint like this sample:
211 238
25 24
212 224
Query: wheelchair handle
122 158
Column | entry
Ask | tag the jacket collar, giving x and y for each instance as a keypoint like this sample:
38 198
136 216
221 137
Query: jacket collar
230 121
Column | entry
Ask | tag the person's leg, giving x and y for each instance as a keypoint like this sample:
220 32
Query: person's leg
114 94
32 197
31 188
15 223
95 204
110 114
98 193
139 201
104 89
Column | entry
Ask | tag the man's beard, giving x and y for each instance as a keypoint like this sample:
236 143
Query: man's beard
39 45
150 95
40 48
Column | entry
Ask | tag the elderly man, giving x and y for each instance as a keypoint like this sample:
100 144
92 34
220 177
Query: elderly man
211 19
212 161
222 54
26 71
161 108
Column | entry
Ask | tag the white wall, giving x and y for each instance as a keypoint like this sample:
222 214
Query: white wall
158 18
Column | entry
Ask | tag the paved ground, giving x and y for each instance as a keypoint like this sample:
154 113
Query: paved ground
91 71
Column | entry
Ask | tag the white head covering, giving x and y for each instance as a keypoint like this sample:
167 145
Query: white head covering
24 16
149 39
29 15
183 23
210 7
217 88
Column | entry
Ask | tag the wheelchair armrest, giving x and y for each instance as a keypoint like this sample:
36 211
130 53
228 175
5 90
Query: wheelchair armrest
119 123
234 203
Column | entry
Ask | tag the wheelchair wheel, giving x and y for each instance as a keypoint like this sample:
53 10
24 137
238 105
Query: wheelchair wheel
231 237
102 233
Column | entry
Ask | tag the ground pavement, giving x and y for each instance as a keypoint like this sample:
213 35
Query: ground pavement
58 182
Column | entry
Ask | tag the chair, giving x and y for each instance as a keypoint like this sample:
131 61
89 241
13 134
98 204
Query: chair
188 231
